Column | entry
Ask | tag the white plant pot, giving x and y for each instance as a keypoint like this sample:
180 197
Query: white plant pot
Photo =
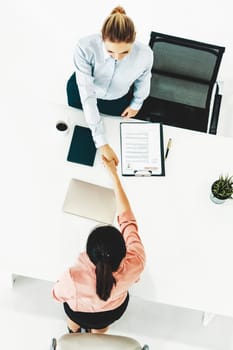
216 200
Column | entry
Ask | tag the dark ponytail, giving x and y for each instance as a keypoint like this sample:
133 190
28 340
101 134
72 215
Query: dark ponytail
104 279
105 248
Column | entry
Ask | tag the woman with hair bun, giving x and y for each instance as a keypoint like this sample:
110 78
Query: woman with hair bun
94 291
112 76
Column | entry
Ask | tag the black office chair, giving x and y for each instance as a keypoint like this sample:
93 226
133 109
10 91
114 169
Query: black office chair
91 341
184 91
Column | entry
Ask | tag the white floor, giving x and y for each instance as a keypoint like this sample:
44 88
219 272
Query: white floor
37 40
30 318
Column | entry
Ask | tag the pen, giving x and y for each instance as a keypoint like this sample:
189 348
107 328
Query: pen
168 147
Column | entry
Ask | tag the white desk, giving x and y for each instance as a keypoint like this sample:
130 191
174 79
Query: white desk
188 239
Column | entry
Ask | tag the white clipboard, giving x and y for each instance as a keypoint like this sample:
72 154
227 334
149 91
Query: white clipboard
142 150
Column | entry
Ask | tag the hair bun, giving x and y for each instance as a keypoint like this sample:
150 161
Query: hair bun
118 9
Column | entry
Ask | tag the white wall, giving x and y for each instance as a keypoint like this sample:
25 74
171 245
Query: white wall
37 38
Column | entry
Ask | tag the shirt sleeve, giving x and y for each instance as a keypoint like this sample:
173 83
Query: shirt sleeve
85 84
64 288
134 261
142 84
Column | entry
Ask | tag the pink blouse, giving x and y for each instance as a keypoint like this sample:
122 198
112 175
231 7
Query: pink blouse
77 286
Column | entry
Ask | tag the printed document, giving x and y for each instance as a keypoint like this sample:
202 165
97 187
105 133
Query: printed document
142 149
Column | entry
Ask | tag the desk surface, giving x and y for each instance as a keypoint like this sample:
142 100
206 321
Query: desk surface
188 239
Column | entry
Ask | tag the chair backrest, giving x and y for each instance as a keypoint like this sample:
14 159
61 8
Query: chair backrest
91 341
183 65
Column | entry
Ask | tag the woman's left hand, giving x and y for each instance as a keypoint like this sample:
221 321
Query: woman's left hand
129 112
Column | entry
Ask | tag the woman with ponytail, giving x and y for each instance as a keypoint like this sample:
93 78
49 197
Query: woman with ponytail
94 291
112 76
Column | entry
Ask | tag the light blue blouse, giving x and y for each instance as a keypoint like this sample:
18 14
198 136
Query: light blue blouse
98 75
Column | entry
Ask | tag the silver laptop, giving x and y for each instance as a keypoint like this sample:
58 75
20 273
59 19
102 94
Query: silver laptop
90 201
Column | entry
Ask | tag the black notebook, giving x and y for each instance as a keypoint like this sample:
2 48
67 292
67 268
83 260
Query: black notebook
82 148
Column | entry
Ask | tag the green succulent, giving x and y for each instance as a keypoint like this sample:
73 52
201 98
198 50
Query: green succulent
223 187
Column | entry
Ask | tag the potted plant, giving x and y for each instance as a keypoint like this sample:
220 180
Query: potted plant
222 189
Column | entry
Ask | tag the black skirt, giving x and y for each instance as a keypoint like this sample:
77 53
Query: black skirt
96 320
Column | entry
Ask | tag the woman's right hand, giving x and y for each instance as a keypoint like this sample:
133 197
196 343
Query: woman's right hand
108 153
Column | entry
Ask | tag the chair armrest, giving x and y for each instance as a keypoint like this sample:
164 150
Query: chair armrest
75 341
215 112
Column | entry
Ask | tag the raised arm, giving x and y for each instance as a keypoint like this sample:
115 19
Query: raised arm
122 201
